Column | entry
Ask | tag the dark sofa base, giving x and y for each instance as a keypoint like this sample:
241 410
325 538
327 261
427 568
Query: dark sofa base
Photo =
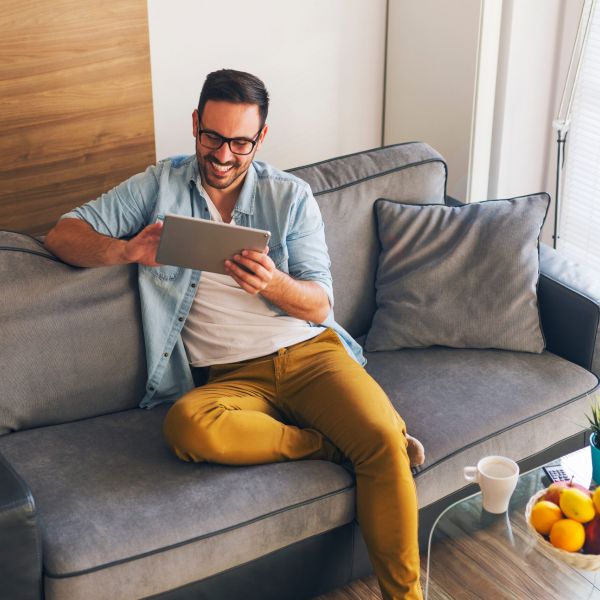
303 570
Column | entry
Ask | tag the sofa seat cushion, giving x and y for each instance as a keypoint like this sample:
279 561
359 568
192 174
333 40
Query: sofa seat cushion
122 517
466 404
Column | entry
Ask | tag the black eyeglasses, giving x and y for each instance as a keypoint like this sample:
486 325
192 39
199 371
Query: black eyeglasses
213 140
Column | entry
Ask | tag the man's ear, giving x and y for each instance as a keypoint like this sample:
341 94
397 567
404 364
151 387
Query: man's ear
195 122
263 133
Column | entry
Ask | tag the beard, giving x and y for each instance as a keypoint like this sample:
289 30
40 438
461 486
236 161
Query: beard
220 175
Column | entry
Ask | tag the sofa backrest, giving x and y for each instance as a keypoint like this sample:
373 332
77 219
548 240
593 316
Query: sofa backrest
71 343
71 339
346 189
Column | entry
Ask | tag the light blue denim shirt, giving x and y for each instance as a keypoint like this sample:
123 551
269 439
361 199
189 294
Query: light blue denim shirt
269 199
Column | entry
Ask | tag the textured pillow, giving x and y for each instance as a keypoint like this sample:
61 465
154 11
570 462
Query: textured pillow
464 277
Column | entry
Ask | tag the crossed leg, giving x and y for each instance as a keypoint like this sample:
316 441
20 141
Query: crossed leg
313 401
232 420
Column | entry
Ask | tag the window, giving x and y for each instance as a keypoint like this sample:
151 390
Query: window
579 232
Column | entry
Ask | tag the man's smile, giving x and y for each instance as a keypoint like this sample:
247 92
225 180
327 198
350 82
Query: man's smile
220 168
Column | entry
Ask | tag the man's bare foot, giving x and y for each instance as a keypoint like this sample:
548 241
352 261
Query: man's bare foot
416 452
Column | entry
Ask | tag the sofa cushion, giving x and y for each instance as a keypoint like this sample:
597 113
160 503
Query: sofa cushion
464 276
345 189
465 404
122 517
72 343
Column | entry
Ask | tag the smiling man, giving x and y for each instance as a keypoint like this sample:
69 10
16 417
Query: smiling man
256 366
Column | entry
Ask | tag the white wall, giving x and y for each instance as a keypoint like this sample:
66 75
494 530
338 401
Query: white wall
537 37
443 55
322 63
431 79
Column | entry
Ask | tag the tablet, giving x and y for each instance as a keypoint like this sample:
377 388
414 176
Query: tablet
205 245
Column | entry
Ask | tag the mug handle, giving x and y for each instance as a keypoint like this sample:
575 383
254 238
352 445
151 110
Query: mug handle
470 474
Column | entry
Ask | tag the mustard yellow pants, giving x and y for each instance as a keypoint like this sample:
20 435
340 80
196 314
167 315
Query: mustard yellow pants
242 416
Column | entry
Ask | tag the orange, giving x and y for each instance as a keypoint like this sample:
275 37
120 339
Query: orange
568 535
543 515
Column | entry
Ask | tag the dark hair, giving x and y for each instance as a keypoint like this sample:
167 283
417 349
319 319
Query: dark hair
235 86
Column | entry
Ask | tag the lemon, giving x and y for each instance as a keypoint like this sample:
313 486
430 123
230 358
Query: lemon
568 535
543 515
577 505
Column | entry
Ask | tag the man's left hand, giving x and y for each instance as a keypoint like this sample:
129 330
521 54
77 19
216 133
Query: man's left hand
258 272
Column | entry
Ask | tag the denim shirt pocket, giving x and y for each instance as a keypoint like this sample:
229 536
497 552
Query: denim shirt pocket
163 272
279 255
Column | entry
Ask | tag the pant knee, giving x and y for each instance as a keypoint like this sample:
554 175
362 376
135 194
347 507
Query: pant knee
188 433
383 442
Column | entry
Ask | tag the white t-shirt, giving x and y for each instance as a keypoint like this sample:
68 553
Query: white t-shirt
226 324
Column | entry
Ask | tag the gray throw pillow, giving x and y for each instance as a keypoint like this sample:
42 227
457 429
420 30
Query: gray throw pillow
464 277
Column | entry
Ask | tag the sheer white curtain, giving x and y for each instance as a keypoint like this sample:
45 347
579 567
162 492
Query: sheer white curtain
579 231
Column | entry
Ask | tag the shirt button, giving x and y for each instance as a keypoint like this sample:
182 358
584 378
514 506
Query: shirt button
151 388
166 354
180 319
193 285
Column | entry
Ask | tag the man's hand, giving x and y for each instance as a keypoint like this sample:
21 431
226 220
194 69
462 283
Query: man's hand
143 247
257 273
76 242
305 300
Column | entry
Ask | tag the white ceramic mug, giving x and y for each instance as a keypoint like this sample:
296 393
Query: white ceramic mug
497 477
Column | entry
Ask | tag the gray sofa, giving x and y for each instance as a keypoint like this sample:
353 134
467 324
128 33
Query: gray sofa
94 505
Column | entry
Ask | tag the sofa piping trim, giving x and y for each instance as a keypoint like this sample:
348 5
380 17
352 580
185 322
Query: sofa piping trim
376 149
509 427
31 237
200 537
27 251
388 172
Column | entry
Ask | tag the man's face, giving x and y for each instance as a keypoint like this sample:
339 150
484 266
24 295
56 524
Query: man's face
221 168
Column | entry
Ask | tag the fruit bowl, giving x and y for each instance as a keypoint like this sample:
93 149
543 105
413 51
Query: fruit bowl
578 560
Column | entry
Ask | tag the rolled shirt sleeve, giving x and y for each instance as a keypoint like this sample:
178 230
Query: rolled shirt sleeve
124 210
308 255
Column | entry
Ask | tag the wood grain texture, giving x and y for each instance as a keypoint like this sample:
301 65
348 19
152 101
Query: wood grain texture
359 589
76 114
368 589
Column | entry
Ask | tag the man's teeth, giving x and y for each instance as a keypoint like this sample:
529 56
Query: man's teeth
221 168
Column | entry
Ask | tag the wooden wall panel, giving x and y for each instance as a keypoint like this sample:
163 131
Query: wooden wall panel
76 105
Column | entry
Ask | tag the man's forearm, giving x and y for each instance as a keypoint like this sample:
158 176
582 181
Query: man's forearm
305 300
77 243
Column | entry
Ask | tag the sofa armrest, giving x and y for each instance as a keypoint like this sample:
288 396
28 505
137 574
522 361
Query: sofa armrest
20 545
569 298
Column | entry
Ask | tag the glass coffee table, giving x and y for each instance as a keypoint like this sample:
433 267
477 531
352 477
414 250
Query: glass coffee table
477 555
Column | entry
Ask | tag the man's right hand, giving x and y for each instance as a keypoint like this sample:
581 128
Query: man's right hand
75 242
143 247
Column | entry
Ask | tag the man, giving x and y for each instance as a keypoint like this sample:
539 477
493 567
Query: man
280 379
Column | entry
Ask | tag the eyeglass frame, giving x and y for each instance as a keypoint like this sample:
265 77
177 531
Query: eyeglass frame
226 140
